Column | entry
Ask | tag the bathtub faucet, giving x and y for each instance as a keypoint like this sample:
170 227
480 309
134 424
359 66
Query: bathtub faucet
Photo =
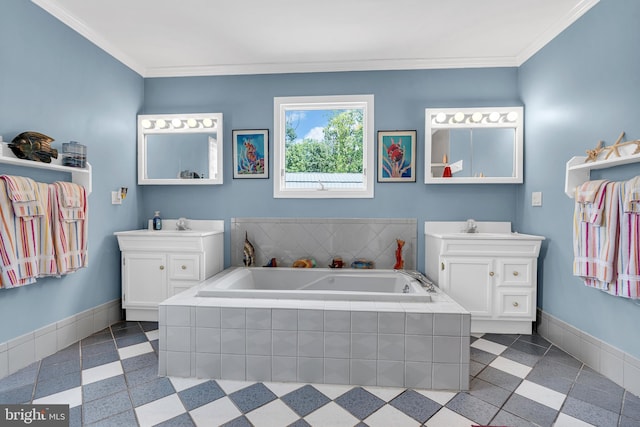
416 275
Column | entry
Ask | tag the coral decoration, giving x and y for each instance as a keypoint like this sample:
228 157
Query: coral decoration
399 265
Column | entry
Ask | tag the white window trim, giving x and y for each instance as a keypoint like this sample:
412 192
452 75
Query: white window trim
282 104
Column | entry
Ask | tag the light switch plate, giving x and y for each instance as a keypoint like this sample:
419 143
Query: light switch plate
536 198
116 199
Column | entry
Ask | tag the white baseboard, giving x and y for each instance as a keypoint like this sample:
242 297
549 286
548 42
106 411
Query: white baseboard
22 351
620 367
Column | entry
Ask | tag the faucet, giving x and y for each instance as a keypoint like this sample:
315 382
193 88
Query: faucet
472 227
421 278
181 224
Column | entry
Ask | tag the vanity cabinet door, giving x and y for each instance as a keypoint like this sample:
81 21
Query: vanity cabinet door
469 281
144 279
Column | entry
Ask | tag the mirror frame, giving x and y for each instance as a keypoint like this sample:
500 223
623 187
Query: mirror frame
474 118
187 123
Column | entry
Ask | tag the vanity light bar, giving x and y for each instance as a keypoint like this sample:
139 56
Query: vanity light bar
459 117
179 123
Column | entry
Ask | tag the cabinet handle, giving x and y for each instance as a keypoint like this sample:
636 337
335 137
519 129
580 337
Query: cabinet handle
515 273
491 273
162 267
184 267
442 266
515 304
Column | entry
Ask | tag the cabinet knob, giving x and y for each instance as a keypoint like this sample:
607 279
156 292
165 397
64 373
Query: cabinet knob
491 273
515 304
442 266
162 267
184 267
515 273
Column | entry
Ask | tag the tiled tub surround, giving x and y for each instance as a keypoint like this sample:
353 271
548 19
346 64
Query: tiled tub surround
289 239
421 345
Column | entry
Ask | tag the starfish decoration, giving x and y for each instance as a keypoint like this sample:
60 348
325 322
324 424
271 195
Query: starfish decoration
592 155
637 142
614 148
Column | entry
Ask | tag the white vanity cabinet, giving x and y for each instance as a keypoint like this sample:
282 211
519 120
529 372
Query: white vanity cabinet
492 273
159 264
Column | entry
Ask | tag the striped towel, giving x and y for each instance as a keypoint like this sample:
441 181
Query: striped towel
631 200
595 244
69 227
22 193
46 251
71 202
18 244
590 201
628 282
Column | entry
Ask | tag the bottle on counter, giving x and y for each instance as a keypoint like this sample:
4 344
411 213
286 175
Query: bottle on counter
157 221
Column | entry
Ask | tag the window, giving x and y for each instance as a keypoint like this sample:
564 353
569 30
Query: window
323 147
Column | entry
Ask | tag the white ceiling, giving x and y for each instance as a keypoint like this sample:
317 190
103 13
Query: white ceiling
161 38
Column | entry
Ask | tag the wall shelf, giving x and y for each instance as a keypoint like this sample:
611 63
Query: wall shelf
578 171
81 176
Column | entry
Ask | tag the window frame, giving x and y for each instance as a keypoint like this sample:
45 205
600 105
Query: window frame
335 102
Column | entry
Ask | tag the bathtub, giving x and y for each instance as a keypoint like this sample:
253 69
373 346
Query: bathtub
324 326
315 284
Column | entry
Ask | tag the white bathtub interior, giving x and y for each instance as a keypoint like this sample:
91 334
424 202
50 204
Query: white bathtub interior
315 283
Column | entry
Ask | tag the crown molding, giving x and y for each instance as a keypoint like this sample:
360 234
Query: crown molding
323 67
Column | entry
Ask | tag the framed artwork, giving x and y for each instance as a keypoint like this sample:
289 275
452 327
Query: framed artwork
250 153
396 156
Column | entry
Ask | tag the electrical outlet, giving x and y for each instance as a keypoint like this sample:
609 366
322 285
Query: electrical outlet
116 198
536 198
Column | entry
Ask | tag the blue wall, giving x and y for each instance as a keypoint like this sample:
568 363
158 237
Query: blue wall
400 100
582 87
54 81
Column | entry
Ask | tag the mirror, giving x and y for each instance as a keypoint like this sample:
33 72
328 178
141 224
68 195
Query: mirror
473 145
180 149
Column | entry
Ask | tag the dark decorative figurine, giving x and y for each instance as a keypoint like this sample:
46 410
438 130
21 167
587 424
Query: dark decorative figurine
248 252
33 146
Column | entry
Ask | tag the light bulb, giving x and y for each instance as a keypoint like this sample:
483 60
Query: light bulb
476 117
441 117
207 123
192 123
176 123
161 123
512 116
458 117
494 117
146 123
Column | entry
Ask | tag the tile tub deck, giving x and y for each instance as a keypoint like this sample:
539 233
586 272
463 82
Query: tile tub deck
414 345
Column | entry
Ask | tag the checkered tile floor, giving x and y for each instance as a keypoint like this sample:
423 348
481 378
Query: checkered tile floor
110 379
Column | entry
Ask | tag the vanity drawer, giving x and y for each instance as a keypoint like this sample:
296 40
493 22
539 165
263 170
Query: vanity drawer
515 303
184 267
515 272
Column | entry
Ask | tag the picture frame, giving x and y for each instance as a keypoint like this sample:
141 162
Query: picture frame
250 153
397 156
